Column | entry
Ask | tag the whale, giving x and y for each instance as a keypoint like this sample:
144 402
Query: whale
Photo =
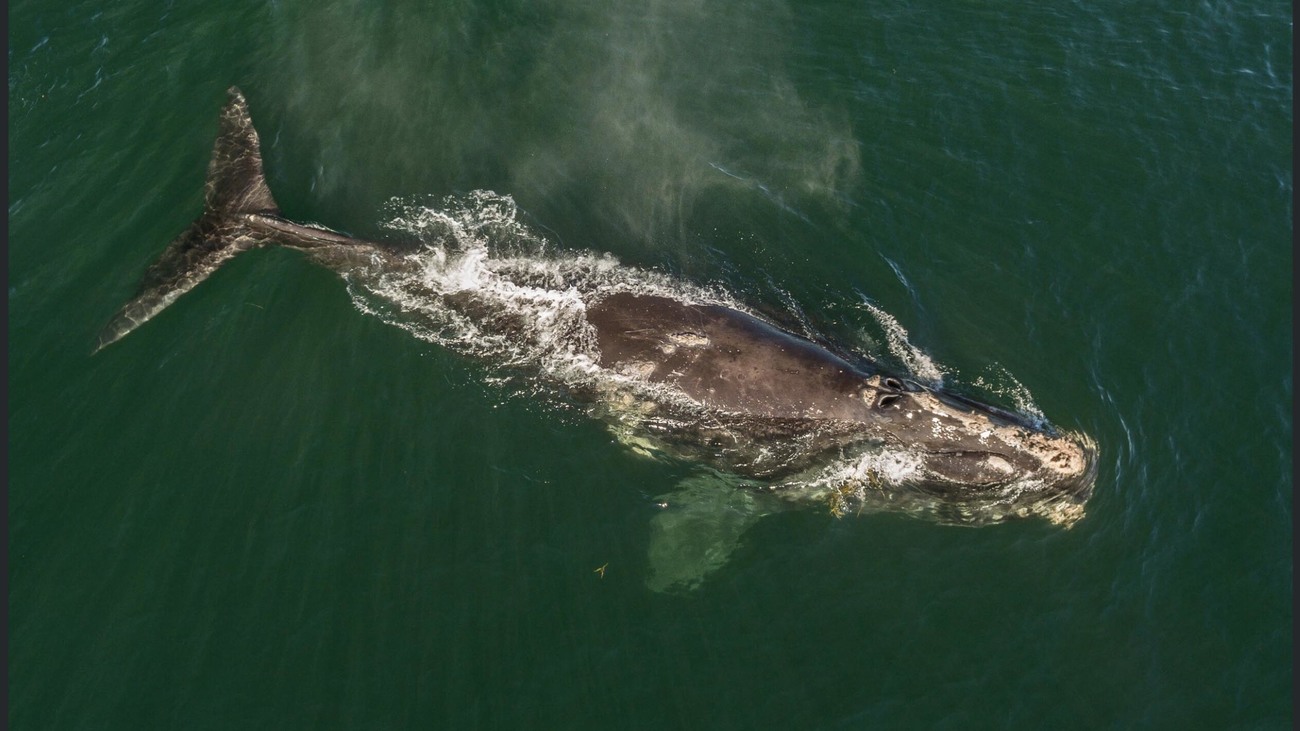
771 418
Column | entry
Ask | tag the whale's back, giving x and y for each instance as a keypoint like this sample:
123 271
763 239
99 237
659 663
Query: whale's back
724 359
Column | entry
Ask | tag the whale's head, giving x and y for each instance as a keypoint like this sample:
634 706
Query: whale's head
964 450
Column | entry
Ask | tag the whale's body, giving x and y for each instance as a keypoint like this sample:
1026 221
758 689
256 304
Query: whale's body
700 380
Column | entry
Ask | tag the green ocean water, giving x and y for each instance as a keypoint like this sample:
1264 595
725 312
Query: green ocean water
268 509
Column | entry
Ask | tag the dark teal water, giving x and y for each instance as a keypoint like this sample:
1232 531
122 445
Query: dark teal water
266 509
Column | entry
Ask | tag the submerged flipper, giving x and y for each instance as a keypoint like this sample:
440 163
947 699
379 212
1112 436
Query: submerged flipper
698 528
235 187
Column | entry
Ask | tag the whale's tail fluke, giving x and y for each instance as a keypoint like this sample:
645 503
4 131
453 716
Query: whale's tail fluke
235 188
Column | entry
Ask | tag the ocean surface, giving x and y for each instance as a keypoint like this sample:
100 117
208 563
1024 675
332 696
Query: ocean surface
268 508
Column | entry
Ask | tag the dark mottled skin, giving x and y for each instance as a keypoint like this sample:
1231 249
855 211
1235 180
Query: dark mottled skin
726 359
740 366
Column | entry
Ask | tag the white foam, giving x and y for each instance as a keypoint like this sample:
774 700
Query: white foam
1006 386
484 284
901 347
